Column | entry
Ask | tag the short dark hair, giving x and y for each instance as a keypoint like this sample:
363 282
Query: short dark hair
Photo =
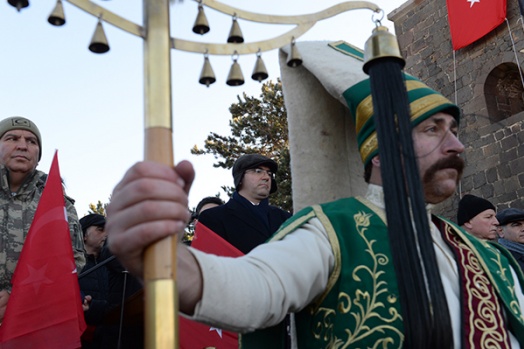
205 201
367 172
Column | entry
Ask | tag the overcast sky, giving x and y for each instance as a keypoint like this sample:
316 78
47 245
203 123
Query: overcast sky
90 106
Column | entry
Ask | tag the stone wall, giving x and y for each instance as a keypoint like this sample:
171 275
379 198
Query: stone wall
485 81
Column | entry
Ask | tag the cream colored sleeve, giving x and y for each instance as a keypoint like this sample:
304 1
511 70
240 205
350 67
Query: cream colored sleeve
520 296
518 290
259 289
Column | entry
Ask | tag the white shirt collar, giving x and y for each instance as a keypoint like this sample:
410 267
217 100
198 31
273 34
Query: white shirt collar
375 194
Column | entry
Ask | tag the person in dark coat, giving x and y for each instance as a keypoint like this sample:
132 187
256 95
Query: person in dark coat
511 222
106 281
247 219
96 282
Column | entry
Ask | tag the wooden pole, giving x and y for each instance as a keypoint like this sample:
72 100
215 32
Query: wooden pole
161 302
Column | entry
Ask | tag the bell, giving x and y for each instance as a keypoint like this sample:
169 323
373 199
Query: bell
260 71
235 77
19 4
57 17
207 76
294 59
99 42
235 34
381 44
201 25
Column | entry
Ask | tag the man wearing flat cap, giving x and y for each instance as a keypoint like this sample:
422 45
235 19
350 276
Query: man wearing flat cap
96 283
104 279
247 219
511 221
93 230
21 188
478 217
333 264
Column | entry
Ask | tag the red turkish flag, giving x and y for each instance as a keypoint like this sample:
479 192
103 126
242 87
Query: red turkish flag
469 20
194 334
208 241
45 309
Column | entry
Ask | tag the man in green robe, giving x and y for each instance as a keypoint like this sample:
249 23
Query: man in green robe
331 264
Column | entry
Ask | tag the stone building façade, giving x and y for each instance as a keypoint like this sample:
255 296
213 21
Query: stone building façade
489 90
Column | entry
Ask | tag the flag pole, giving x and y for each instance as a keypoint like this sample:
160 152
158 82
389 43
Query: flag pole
161 303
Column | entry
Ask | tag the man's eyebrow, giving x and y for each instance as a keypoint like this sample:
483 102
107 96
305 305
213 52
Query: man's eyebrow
441 120
10 134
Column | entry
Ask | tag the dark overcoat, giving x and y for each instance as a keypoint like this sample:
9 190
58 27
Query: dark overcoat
240 226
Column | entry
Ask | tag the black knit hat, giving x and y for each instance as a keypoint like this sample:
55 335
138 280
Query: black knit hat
470 206
92 219
510 215
250 161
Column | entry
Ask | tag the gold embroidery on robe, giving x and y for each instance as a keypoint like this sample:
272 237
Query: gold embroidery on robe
363 305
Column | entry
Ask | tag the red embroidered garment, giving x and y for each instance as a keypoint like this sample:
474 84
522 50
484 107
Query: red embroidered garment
483 323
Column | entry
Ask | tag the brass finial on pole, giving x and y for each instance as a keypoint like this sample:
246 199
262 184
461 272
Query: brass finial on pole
161 310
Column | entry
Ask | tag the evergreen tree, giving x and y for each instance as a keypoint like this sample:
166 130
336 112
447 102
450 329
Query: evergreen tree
258 125
100 208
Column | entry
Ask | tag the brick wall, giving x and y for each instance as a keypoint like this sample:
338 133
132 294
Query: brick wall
488 89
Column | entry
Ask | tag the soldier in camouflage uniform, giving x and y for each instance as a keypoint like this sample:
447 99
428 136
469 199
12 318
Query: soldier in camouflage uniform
21 186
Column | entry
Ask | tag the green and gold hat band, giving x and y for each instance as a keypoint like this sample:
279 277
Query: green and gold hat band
423 102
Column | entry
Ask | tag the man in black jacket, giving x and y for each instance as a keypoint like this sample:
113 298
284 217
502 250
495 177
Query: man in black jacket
106 281
247 219
95 284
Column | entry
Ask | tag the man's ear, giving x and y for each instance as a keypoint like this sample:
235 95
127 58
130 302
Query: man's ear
468 225
376 161
375 177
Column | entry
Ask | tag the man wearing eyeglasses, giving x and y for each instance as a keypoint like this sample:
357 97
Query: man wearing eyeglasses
247 220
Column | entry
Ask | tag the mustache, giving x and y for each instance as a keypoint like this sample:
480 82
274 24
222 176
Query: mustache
454 162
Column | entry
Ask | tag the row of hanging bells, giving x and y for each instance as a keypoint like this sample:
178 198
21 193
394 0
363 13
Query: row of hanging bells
100 44
235 76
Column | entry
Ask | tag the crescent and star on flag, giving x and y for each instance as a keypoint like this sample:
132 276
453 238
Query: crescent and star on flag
219 331
472 2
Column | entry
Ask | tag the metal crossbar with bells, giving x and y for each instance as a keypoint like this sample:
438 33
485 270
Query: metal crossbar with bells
161 308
